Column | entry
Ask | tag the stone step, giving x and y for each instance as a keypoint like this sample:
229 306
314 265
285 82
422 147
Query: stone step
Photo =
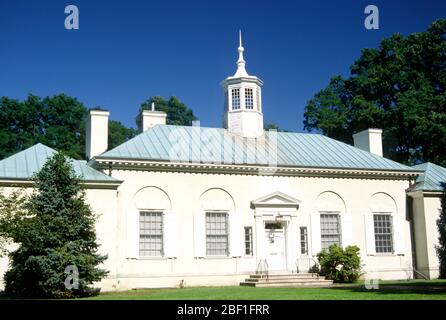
286 279
297 280
311 284
284 275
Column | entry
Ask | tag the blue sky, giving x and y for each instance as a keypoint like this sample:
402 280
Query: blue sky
127 51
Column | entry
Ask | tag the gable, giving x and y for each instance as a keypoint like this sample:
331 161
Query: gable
275 199
24 164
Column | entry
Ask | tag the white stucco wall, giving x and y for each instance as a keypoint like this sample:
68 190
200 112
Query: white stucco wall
183 192
426 211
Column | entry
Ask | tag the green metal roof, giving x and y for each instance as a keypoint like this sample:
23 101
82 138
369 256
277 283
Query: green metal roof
433 178
24 164
216 145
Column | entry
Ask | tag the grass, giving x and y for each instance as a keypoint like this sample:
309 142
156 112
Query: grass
388 290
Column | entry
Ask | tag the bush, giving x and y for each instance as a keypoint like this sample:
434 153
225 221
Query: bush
339 265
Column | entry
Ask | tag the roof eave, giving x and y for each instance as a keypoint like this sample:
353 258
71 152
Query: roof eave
118 162
88 184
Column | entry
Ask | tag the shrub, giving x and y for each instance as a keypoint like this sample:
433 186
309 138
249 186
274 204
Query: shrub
339 265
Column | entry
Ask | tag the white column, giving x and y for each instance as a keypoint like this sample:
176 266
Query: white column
292 243
242 98
260 238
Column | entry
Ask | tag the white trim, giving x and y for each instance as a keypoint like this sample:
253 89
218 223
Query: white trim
315 223
121 163
199 234
369 227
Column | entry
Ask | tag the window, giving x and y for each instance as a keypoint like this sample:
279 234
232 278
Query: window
258 99
235 99
217 240
150 233
249 99
330 230
248 241
383 233
303 240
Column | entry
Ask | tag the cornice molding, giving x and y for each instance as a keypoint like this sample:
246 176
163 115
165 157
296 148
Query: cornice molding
145 165
20 183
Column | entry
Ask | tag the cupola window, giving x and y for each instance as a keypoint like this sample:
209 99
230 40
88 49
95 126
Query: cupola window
249 100
235 99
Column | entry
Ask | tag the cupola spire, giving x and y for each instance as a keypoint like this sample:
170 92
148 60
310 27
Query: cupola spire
241 63
243 100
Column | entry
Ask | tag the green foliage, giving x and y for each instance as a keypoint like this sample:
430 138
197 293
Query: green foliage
177 112
399 87
54 228
441 225
118 133
57 122
11 206
273 126
340 265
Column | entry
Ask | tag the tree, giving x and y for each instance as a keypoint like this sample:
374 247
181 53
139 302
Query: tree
57 121
177 112
19 124
55 229
273 126
118 133
399 87
63 125
441 247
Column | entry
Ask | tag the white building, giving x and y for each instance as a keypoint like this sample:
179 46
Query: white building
209 206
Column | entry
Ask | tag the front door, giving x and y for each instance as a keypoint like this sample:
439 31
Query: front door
275 239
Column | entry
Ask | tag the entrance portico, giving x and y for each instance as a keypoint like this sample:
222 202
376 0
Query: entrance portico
276 231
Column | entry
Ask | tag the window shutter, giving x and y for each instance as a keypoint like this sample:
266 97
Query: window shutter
347 230
199 235
398 233
369 234
315 233
133 234
170 232
236 236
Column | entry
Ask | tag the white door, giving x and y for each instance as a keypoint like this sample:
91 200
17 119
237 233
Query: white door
275 251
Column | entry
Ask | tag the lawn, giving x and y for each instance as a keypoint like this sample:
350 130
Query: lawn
388 290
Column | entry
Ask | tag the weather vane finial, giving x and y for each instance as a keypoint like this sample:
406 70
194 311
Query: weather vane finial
241 71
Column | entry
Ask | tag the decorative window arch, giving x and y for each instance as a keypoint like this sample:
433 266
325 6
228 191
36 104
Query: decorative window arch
151 224
217 227
330 222
384 226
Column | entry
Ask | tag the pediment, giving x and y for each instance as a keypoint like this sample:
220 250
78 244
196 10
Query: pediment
276 199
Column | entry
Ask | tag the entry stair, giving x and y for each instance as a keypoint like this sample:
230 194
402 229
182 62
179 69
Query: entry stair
308 280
